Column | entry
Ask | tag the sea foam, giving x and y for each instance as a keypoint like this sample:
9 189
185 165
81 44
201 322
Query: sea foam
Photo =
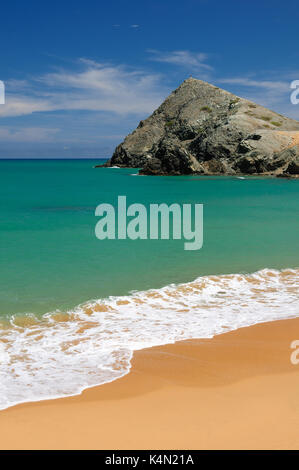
65 353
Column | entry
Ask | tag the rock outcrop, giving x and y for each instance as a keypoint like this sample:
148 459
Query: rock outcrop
202 129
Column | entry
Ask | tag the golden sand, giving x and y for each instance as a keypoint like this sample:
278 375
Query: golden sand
237 390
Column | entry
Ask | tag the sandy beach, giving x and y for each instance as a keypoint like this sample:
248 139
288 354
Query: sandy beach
238 390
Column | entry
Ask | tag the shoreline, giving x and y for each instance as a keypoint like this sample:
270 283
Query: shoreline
67 353
236 390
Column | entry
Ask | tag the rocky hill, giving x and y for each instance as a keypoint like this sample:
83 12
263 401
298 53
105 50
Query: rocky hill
202 129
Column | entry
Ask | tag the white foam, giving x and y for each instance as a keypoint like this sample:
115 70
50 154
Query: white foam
94 344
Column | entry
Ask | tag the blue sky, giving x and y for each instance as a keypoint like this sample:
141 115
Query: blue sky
80 75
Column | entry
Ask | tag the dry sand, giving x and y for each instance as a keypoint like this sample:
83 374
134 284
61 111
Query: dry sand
237 390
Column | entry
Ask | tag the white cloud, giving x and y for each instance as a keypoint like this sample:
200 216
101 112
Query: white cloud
22 105
281 86
27 134
95 87
195 61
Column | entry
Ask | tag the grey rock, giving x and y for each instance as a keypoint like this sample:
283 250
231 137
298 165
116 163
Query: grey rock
202 129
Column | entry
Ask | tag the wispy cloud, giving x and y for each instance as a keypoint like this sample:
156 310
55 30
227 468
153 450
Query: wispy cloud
20 105
194 61
265 84
27 134
92 87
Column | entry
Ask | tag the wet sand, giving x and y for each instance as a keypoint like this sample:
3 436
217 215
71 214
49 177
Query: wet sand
238 390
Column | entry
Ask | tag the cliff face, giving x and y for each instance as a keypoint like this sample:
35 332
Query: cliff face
201 129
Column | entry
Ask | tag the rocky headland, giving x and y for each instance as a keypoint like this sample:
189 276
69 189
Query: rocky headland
202 129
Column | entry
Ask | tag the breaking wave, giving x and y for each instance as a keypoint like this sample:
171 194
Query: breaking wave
62 354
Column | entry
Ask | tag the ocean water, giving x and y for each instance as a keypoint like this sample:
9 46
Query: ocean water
74 308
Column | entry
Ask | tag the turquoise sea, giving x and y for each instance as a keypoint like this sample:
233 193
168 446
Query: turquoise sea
51 261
